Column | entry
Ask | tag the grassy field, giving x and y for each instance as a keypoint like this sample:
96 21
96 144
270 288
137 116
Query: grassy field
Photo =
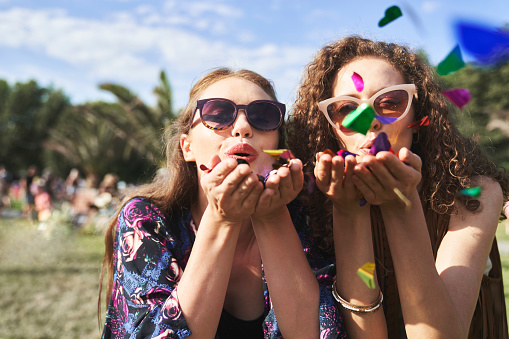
49 284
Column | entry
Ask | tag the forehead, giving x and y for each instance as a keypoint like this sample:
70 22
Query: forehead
239 90
375 72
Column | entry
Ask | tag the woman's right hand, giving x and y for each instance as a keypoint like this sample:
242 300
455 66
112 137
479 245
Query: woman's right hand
334 178
232 190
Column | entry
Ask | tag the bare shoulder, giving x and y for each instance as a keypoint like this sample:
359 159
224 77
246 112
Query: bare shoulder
486 216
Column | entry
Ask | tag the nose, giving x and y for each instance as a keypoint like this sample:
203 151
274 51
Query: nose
241 127
375 125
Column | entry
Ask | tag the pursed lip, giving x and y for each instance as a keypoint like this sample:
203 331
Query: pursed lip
242 151
366 146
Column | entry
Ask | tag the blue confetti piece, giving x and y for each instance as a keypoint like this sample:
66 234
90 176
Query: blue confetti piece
488 45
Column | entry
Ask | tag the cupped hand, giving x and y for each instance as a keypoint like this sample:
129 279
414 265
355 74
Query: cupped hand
281 187
334 178
377 176
232 190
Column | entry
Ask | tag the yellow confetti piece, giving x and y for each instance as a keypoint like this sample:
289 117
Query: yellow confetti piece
402 197
277 153
366 273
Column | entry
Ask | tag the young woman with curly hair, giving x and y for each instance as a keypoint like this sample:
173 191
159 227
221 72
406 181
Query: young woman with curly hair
437 262
184 254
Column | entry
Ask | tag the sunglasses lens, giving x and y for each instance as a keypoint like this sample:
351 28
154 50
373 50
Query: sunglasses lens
392 104
338 110
218 114
264 116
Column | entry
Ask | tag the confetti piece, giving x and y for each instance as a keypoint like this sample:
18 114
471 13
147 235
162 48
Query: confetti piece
385 120
402 197
366 273
242 161
205 168
381 143
360 119
358 82
329 152
451 63
344 153
362 202
488 45
423 122
391 14
459 96
409 11
471 192
282 156
278 153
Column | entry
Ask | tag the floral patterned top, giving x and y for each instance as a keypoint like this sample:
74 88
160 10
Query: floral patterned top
150 253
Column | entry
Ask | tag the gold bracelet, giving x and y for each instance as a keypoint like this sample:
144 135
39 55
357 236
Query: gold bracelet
359 309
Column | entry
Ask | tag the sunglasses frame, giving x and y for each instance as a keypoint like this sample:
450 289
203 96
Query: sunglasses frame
409 88
279 105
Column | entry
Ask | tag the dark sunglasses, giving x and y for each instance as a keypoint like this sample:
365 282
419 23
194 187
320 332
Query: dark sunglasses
219 114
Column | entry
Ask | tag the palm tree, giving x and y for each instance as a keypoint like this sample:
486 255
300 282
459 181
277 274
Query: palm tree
124 137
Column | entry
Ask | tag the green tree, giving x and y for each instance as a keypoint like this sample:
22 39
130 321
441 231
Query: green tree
27 113
124 137
486 117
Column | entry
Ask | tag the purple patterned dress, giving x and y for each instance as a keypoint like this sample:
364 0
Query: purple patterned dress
150 253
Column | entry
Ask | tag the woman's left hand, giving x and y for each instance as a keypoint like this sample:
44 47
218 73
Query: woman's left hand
281 188
377 176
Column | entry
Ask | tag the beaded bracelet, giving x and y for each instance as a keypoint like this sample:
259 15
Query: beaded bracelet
359 309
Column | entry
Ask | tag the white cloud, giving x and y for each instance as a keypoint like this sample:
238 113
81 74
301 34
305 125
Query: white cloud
131 47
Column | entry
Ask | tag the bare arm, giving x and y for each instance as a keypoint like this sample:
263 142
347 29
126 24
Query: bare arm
437 299
352 244
293 287
232 192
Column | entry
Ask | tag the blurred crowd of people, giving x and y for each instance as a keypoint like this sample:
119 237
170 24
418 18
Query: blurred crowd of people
85 202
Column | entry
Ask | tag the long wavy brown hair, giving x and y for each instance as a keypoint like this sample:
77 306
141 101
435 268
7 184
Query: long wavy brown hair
449 159
175 187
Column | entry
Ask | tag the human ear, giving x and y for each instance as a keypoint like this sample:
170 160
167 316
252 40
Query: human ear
186 147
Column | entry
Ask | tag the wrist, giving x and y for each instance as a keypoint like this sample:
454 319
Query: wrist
351 211
272 219
404 201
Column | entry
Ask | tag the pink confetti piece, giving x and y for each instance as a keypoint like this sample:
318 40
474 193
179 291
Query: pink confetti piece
344 153
460 96
358 82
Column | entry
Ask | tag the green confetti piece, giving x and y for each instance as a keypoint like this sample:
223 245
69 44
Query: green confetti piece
360 119
471 192
391 14
451 63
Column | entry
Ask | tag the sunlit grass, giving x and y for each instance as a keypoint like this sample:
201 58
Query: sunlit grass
49 282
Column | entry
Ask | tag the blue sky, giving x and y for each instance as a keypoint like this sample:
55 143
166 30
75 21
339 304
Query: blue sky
75 45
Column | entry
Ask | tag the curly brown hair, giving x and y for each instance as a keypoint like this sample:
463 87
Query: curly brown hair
175 187
449 159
